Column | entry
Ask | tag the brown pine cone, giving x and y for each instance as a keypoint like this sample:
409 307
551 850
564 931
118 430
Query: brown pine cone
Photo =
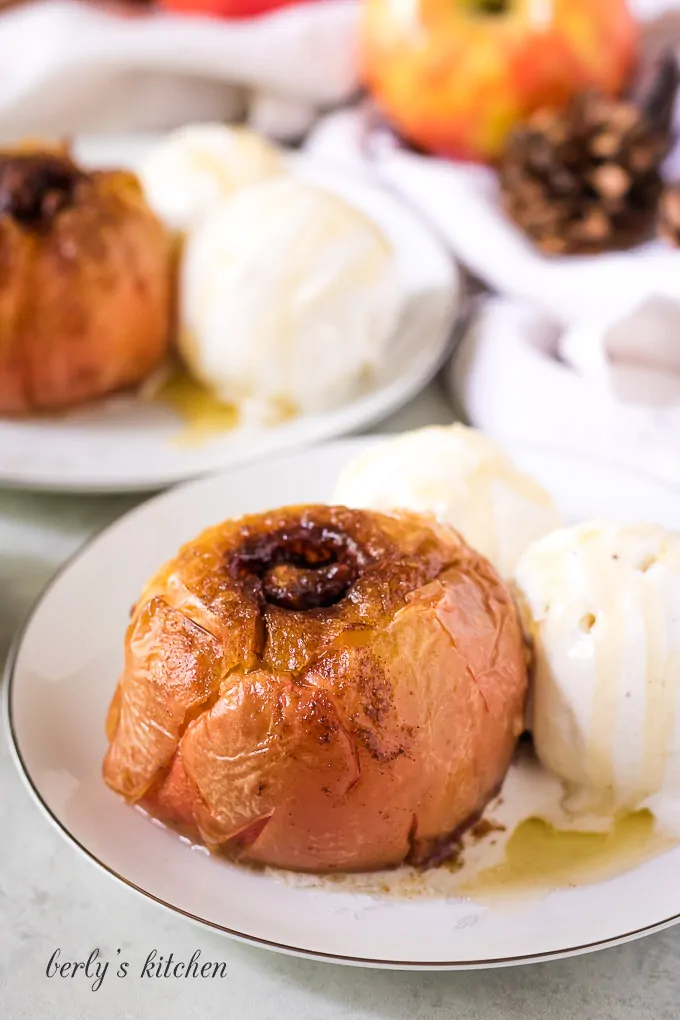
668 221
587 179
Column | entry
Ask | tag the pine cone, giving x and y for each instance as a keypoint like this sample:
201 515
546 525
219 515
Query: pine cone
668 222
586 179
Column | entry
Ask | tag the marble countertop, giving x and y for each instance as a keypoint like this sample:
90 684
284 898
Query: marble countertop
51 898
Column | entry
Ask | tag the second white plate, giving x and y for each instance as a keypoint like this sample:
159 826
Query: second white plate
122 444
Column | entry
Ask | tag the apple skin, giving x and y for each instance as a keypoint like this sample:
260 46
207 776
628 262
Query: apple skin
454 79
230 9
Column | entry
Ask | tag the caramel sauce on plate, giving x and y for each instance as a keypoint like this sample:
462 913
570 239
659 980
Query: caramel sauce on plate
540 857
203 416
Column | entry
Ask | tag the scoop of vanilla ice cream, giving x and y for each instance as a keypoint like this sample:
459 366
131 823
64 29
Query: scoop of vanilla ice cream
197 165
462 477
288 296
602 602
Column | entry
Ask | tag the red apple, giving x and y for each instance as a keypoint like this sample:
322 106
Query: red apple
455 76
227 8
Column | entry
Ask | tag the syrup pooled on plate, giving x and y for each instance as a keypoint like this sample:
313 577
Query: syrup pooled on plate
539 857
202 414
544 848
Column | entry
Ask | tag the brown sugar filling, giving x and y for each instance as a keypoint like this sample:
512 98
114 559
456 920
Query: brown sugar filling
301 567
35 187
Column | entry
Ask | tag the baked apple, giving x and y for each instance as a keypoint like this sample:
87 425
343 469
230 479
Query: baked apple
320 689
85 280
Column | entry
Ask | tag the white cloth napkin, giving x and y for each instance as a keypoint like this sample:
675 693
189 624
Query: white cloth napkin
68 66
461 202
607 388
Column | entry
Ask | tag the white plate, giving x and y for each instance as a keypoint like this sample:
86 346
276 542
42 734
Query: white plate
121 444
62 674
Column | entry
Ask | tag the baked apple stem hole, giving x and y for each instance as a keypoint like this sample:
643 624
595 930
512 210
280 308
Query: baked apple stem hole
491 6
301 569
35 187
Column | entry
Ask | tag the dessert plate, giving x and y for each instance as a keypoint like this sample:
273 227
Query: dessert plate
61 675
127 444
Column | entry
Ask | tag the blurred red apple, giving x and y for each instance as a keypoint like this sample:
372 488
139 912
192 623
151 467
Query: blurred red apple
227 8
455 76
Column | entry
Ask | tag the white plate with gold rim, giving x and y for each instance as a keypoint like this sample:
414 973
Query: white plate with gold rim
127 444
63 669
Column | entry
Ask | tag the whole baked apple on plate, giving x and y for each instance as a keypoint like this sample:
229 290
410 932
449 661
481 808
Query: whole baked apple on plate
396 733
226 301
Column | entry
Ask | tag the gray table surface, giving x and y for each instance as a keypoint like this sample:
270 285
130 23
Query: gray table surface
51 898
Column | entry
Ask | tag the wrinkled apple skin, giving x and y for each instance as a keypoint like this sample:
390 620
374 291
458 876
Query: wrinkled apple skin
455 80
351 736
85 299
